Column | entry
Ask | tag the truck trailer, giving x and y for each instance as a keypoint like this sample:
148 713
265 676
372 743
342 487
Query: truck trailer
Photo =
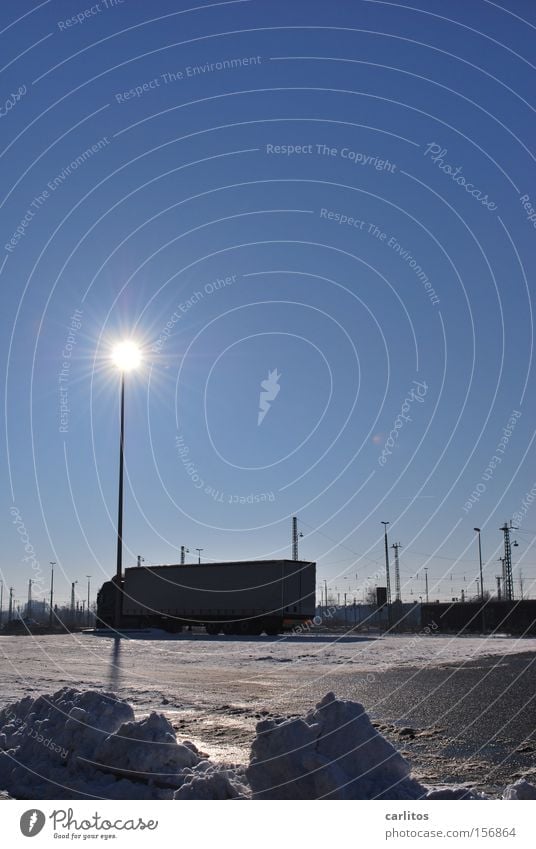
241 597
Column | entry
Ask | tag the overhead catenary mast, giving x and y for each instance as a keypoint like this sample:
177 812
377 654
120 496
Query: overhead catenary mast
508 583
295 538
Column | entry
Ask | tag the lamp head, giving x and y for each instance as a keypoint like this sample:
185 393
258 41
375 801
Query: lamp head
126 355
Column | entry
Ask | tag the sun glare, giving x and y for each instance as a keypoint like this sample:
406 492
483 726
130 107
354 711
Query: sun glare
126 356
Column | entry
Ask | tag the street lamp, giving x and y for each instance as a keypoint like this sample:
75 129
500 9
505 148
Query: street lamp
88 588
126 356
199 550
477 530
50 614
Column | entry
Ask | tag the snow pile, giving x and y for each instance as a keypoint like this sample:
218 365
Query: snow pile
76 744
149 749
455 793
41 739
211 781
521 790
334 752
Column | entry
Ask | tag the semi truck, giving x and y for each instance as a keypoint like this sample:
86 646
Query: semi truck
240 597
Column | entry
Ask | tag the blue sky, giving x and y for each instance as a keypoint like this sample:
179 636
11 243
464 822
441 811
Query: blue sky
253 186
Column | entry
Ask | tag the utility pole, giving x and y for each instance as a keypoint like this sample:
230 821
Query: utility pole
88 594
398 595
325 596
498 579
10 611
295 537
199 550
477 530
140 560
184 552
426 584
29 604
72 603
508 585
50 613
387 573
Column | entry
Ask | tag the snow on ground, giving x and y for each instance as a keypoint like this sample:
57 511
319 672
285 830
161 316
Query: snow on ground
140 667
86 744
213 690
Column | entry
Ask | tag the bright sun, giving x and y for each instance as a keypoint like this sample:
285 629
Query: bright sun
126 355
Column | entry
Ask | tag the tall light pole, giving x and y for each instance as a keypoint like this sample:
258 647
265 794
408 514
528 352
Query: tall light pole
73 618
387 573
88 591
387 570
50 612
477 530
126 356
199 550
426 584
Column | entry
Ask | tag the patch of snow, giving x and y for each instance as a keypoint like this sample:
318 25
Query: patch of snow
78 744
453 793
147 748
521 790
334 752
210 781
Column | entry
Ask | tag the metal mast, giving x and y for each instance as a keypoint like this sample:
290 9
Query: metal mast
387 573
295 537
508 587
398 595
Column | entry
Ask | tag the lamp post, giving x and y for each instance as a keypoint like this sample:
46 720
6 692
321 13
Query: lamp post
88 589
73 611
126 356
199 550
50 613
477 530
387 573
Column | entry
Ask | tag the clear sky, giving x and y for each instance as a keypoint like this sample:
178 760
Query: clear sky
333 198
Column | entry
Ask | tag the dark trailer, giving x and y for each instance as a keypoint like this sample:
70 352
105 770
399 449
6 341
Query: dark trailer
240 597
